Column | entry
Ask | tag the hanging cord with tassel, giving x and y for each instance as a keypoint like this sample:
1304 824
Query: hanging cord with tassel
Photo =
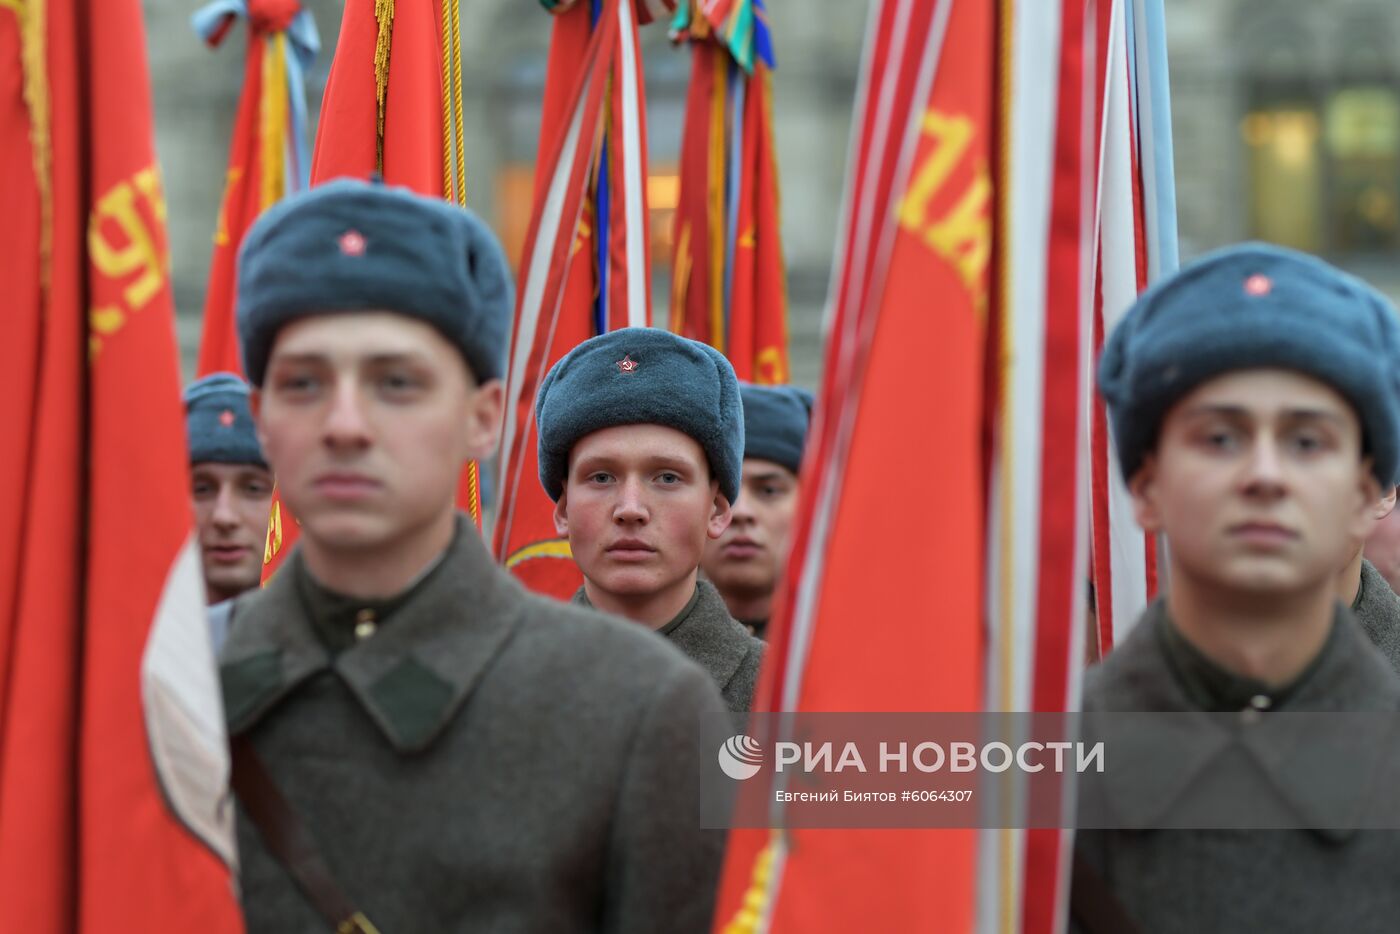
454 168
384 16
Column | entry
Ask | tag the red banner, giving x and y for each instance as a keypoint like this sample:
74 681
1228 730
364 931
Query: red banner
586 267
262 164
897 626
107 816
730 286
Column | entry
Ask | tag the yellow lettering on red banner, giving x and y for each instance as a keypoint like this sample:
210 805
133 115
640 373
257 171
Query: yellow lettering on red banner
581 234
127 247
137 254
769 368
961 233
235 174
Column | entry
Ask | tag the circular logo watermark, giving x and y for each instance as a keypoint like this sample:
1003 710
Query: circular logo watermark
740 757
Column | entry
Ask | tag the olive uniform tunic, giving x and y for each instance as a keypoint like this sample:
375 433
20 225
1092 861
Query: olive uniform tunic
1280 881
707 634
475 758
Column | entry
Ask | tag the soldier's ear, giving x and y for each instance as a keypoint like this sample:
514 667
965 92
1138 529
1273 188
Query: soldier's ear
720 514
1142 486
1373 501
485 411
1385 505
561 515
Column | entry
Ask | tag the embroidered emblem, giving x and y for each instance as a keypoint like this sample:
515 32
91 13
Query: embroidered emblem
1258 285
352 243
226 418
627 364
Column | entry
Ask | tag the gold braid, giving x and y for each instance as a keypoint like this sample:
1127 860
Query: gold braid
384 16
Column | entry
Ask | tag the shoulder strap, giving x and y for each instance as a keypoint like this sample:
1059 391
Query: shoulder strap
288 840
1093 905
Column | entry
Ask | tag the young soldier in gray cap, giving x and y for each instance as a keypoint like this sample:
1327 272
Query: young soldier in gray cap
230 484
1256 414
746 562
641 434
418 741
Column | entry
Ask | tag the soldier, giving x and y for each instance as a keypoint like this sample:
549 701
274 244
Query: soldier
1256 414
417 740
231 487
1368 594
746 562
641 434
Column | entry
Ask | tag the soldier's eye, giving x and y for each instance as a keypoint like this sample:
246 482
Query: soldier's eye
399 382
297 383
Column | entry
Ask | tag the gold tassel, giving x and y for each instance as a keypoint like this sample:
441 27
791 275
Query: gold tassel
384 16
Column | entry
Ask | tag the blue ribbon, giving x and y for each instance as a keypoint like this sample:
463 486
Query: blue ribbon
303 43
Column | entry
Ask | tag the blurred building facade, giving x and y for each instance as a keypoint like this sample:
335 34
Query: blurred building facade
1286 121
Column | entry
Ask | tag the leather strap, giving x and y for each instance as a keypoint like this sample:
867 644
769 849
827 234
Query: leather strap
1092 904
289 842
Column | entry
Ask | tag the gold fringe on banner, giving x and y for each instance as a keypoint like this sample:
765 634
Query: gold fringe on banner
34 67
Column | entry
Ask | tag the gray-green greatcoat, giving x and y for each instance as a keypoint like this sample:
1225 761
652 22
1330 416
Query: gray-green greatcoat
1228 881
1377 609
720 644
488 761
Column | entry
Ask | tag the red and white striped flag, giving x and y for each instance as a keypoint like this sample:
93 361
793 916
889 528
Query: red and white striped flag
586 267
984 381
1137 245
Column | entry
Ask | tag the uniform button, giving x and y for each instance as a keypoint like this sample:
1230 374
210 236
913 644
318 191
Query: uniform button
364 624
1260 702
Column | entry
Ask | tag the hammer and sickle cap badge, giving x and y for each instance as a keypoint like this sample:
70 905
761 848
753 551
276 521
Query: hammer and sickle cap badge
627 364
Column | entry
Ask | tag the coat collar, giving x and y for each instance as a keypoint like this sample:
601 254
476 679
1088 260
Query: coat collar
712 637
411 677
704 631
1350 676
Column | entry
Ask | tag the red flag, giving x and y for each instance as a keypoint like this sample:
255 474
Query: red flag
730 282
910 303
113 769
586 267
388 108
265 159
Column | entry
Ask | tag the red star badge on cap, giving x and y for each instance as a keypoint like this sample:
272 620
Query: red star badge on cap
352 243
627 364
226 418
1258 285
